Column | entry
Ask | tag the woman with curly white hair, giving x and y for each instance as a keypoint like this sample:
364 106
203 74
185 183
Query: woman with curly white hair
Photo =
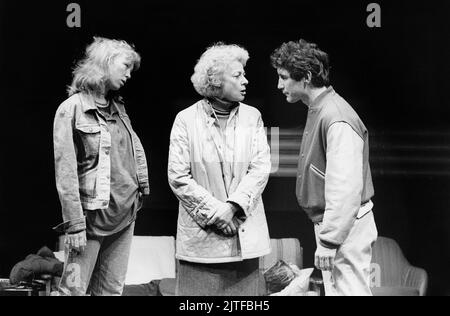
219 165
101 171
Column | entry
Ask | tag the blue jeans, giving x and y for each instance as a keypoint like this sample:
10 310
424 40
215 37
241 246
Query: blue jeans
100 270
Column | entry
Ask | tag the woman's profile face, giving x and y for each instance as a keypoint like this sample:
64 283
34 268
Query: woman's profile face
119 72
234 82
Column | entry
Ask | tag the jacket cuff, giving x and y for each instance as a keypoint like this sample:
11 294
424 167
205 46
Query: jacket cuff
240 212
200 220
328 245
240 201
71 226
200 217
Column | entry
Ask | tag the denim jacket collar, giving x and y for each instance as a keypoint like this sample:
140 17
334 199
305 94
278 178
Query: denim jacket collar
88 104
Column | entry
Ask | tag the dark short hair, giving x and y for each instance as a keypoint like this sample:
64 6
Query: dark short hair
301 57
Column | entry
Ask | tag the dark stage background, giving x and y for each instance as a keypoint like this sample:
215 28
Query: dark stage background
396 77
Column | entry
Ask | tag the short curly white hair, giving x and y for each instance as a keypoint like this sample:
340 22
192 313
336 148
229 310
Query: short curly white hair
208 72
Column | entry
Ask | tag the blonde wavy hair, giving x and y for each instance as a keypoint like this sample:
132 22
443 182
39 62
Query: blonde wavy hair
208 72
91 73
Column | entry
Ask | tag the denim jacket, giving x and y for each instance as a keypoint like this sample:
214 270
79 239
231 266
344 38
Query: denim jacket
82 145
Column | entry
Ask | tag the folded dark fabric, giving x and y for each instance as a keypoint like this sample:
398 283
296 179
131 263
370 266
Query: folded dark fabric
34 265
45 252
147 289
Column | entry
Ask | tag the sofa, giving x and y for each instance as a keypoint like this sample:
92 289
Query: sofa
152 264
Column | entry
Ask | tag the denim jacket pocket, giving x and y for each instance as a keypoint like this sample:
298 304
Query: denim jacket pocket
90 137
88 182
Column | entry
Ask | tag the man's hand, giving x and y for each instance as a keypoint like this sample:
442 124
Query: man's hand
76 242
223 219
324 258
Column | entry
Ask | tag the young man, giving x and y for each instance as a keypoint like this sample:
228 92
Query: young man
334 184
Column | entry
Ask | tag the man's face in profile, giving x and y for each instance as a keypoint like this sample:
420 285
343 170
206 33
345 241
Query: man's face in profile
293 90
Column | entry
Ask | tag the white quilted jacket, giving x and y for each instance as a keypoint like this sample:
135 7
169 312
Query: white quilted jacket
196 175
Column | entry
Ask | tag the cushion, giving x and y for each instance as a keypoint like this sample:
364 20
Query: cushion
151 258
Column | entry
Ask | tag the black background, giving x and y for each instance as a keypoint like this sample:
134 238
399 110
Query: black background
396 77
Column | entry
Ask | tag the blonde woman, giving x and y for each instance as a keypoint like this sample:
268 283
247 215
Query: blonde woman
101 171
219 165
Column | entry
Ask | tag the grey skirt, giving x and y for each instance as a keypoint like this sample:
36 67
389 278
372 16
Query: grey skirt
241 278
